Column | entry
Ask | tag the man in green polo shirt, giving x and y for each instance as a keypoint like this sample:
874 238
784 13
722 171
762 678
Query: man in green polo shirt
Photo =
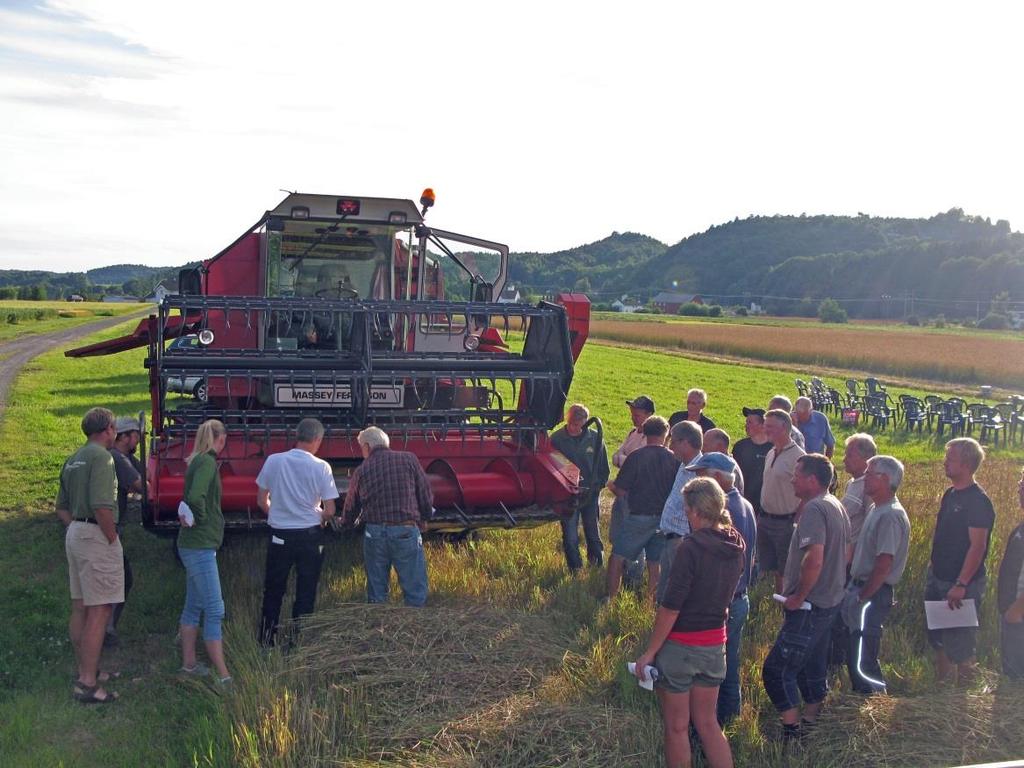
87 505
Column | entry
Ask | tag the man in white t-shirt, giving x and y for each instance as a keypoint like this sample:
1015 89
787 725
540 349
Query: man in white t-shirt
297 493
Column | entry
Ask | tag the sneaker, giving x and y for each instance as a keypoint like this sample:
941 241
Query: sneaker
225 684
199 670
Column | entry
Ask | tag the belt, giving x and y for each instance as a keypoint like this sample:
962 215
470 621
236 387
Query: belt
859 582
670 536
401 522
292 531
91 520
777 517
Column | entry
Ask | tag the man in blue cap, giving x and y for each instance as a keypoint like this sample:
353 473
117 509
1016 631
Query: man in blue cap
722 469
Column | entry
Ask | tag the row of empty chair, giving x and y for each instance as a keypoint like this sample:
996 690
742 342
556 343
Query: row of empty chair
871 404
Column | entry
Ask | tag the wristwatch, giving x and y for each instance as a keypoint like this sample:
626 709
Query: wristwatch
960 584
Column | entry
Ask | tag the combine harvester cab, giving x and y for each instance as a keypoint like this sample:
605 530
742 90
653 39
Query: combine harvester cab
353 311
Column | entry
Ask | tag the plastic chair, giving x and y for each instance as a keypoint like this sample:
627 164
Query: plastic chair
915 413
992 425
950 416
873 386
975 413
933 407
876 409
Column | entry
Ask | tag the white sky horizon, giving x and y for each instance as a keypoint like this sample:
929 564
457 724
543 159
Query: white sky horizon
155 134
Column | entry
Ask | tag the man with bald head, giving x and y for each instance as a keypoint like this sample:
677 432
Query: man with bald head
814 426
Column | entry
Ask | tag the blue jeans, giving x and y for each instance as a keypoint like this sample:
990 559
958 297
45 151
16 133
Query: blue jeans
729 691
797 665
400 546
202 591
588 512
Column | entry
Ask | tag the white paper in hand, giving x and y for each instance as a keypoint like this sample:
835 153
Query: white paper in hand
941 616
650 672
782 598
185 515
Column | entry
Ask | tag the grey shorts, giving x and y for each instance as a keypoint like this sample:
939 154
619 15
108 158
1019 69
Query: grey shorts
958 642
680 667
773 537
639 533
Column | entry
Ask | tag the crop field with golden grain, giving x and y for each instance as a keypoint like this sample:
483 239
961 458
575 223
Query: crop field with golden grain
966 358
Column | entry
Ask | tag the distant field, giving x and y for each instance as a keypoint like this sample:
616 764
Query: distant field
973 358
23 318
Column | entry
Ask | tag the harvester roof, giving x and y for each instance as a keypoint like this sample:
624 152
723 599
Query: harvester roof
378 210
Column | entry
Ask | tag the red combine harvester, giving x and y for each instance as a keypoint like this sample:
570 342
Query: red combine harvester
353 311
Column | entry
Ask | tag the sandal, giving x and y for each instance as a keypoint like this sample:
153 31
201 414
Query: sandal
86 694
101 677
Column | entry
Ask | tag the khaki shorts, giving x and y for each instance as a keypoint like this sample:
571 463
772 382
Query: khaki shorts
680 667
95 566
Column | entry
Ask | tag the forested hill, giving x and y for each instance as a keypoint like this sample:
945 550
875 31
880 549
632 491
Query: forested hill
603 267
947 263
133 279
950 256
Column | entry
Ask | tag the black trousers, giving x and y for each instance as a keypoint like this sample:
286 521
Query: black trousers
865 640
304 549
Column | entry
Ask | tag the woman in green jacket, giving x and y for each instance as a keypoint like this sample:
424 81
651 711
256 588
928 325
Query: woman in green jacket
197 547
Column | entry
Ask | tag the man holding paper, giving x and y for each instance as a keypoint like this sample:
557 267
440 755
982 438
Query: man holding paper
959 548
815 573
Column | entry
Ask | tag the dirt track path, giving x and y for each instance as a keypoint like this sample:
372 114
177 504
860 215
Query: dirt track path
14 354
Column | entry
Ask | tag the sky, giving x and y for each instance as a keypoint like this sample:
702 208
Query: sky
156 133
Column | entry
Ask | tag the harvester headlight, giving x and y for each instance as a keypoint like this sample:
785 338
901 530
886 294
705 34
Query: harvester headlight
471 343
397 217
300 212
206 337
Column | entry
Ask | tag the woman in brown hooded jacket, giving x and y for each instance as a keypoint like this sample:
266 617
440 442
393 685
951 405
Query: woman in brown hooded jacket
687 645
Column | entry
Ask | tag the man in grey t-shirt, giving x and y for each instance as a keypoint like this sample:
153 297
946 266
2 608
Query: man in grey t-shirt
813 591
879 559
859 448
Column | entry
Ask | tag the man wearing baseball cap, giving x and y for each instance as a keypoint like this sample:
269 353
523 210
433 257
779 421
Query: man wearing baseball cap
640 409
129 480
721 468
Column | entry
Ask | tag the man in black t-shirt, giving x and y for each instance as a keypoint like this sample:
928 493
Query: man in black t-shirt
645 480
1010 596
129 480
696 402
750 453
959 548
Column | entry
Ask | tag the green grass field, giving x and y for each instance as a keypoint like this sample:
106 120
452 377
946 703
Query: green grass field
535 679
32 317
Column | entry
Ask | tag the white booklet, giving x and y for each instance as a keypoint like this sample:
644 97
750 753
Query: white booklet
185 515
941 616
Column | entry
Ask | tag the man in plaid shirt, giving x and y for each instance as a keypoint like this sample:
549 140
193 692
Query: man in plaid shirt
390 494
